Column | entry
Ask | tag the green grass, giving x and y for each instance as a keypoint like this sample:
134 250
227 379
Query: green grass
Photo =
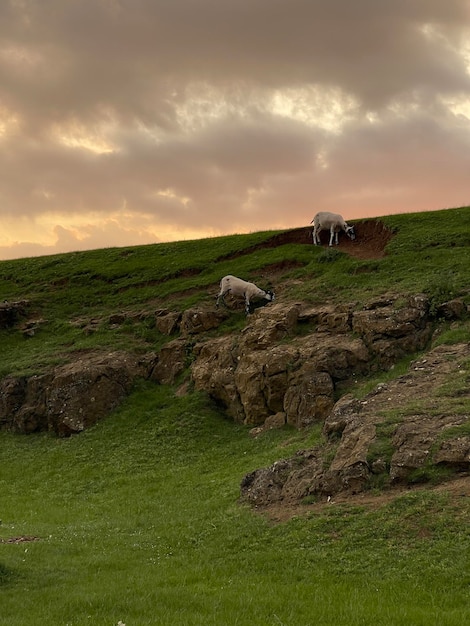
138 519
428 253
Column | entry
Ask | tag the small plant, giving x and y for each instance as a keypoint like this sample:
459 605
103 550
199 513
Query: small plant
364 268
440 290
310 499
381 450
379 482
429 474
329 255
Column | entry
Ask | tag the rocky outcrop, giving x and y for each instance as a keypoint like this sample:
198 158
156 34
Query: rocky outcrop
289 358
195 321
379 437
283 367
169 363
69 398
390 331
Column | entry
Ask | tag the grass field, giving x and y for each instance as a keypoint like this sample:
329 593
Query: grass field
137 521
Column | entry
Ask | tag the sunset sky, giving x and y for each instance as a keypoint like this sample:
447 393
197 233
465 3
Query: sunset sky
125 122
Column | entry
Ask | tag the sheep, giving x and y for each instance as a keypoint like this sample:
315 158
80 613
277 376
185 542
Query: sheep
332 221
238 287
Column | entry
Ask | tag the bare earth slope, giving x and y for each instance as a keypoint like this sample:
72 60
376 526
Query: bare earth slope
371 238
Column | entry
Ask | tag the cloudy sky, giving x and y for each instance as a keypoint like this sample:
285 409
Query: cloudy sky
136 121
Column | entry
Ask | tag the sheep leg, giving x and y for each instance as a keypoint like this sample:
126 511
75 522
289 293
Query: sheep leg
332 234
221 296
247 305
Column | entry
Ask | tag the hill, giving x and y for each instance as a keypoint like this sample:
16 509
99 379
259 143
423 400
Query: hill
340 409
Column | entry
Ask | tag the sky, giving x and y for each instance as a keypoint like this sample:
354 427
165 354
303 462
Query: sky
128 122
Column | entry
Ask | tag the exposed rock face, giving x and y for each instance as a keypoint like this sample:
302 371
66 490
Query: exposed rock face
167 322
259 373
355 431
390 332
195 321
215 364
283 367
71 397
169 363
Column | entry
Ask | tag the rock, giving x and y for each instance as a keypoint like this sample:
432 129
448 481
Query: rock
117 319
265 375
70 397
335 319
310 400
213 371
167 322
264 486
344 413
83 392
170 362
195 321
12 395
415 439
452 310
390 332
269 325
455 453
273 421
411 442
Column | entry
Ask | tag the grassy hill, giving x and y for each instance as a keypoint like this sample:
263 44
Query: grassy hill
136 521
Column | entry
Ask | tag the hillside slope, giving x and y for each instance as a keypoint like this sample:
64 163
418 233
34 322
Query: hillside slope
287 363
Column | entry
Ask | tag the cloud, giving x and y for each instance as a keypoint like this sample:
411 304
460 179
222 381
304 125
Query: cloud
151 119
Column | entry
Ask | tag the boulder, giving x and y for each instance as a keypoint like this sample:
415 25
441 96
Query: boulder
266 375
195 320
390 331
454 453
167 322
70 397
170 362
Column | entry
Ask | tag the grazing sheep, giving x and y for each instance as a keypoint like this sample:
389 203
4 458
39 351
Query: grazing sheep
332 222
238 287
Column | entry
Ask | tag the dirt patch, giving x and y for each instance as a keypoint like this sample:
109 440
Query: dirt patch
372 236
457 488
21 539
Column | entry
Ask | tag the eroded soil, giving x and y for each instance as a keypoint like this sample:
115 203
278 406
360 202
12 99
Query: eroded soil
372 236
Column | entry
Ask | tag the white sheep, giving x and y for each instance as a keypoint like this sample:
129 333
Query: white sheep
238 287
332 222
